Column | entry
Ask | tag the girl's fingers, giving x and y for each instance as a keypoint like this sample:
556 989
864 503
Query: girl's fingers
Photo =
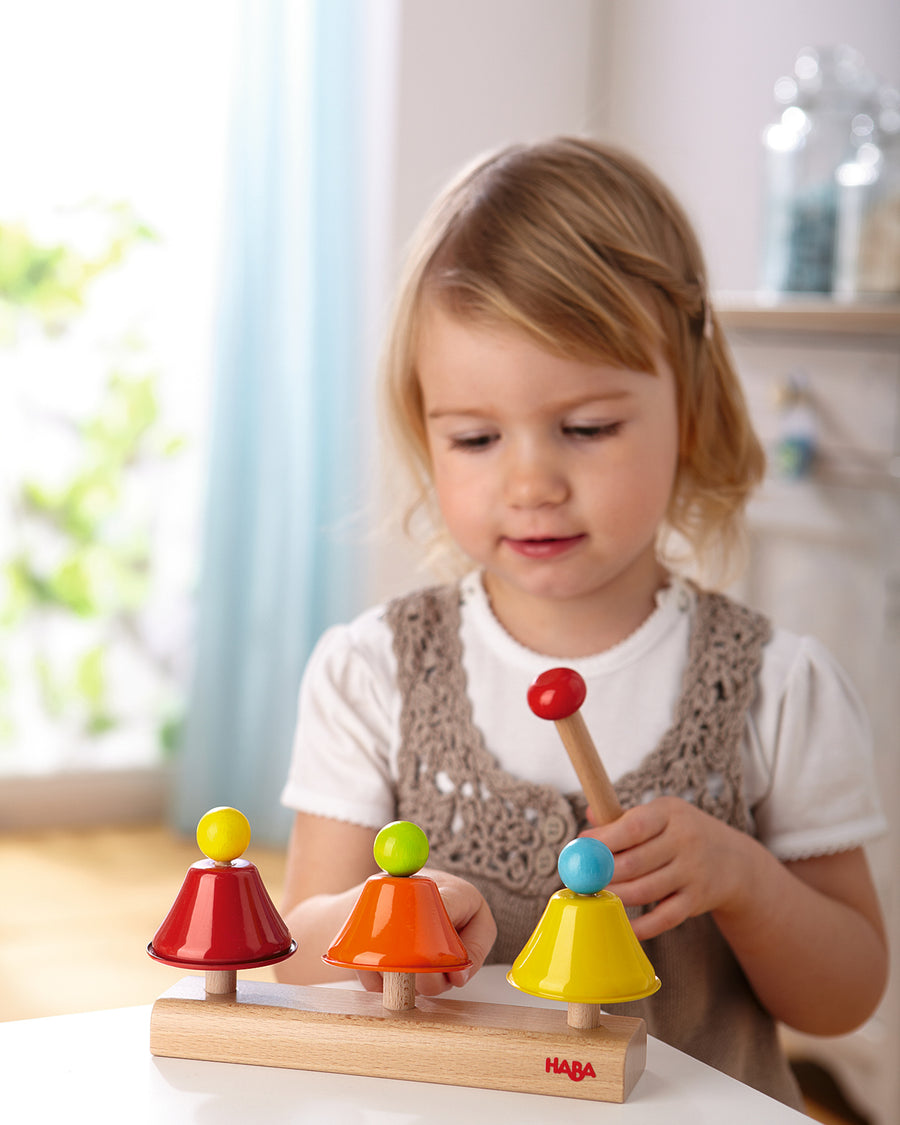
464 976
371 982
633 827
653 887
636 862
432 984
479 935
472 919
666 915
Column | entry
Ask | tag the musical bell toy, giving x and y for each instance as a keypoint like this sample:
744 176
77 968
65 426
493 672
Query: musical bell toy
399 925
222 919
584 951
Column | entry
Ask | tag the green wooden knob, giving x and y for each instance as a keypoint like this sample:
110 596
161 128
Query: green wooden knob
401 848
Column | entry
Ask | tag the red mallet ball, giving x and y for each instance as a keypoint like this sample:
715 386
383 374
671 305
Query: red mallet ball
557 694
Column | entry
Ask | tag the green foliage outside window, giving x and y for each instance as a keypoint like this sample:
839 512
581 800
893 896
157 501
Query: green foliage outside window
77 561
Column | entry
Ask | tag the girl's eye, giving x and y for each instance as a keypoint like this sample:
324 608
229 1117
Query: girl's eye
592 431
472 443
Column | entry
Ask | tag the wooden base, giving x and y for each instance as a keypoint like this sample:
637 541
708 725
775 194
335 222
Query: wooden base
454 1042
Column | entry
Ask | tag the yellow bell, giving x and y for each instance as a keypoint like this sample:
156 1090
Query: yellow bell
583 950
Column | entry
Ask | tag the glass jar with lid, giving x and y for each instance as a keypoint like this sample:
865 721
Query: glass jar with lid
867 256
828 89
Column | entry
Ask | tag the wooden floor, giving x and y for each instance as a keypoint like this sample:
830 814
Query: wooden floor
79 908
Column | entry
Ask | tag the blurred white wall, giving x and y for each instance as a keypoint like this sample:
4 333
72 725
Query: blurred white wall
685 84
474 74
466 75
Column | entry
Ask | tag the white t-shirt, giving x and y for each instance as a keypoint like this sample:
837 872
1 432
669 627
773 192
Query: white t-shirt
808 769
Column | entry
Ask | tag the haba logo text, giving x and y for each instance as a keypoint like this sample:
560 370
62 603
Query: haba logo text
575 1070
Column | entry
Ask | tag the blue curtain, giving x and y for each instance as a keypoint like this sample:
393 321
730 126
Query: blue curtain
279 563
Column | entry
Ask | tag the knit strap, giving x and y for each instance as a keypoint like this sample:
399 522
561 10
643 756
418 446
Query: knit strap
699 756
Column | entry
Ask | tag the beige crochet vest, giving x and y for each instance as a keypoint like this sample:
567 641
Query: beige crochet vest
504 834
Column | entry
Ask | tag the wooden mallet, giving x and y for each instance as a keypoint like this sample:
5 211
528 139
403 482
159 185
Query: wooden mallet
558 694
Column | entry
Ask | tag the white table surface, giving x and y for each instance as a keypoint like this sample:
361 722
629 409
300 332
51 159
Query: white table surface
97 1067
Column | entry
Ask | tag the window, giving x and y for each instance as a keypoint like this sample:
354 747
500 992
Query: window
113 123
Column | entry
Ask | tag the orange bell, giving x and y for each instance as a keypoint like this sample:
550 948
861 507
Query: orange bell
399 925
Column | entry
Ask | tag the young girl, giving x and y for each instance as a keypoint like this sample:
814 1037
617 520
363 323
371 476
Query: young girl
565 401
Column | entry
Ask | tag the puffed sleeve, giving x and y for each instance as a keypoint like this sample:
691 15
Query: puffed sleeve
345 737
816 789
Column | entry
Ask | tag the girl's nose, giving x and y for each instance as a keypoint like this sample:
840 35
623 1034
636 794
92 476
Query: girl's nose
533 479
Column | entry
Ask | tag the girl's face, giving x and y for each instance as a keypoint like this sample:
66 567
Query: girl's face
553 474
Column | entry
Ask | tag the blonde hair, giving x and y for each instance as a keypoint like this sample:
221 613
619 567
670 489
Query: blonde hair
583 249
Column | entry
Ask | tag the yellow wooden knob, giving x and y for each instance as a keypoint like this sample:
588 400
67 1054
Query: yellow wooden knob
223 834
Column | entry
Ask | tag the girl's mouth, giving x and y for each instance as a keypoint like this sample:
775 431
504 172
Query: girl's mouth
544 548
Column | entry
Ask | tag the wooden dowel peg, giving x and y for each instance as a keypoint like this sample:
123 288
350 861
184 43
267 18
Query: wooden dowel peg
584 1016
399 992
558 695
221 982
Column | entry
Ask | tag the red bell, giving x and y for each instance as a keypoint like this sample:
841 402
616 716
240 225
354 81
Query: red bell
222 917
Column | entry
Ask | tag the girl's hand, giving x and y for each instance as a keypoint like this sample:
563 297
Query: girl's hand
474 923
685 861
